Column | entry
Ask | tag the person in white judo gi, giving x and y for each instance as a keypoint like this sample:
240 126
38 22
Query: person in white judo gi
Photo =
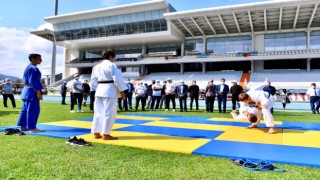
264 101
110 85
247 113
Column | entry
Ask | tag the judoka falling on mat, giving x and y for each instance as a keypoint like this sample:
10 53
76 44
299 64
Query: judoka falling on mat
247 113
110 85
31 95
264 101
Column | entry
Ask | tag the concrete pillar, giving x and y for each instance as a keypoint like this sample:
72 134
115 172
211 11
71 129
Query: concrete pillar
257 66
204 44
182 48
308 38
252 66
53 63
66 71
203 67
142 69
253 42
144 49
181 68
258 44
309 64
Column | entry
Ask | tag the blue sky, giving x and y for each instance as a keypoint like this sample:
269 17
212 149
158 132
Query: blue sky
18 17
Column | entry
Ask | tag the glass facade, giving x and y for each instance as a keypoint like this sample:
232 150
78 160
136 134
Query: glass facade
230 44
194 45
163 48
285 41
135 23
315 40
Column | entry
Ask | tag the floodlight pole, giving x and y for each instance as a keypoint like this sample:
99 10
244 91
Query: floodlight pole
54 49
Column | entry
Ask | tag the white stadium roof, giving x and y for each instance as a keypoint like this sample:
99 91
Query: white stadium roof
248 18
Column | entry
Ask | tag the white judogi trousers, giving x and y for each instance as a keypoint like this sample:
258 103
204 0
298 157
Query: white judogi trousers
266 112
105 112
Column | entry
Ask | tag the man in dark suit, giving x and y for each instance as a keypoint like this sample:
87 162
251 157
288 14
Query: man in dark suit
182 91
210 96
129 93
271 90
222 91
194 94
235 90
63 92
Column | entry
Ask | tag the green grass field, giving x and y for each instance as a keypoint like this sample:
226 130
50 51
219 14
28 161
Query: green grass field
36 157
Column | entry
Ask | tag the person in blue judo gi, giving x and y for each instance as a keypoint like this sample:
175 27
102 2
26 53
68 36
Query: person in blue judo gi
31 95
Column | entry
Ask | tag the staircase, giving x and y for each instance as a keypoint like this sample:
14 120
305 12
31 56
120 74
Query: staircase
245 78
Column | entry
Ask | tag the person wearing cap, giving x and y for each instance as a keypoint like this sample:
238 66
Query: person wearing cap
7 92
235 90
194 94
31 95
182 91
156 95
262 100
210 93
63 92
77 93
140 92
110 85
222 91
163 95
271 90
313 94
170 94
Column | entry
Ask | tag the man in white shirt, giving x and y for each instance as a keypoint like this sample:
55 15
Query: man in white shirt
110 85
264 101
7 92
77 93
156 94
140 92
313 94
170 94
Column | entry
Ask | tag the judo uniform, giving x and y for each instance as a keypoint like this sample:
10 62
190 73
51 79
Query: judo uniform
106 96
266 100
244 107
31 105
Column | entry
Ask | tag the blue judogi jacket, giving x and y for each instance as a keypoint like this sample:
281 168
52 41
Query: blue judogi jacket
32 79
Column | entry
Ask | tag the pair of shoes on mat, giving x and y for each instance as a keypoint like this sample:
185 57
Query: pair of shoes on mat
11 131
78 142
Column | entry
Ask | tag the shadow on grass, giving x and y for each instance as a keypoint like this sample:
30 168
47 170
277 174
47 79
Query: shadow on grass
6 113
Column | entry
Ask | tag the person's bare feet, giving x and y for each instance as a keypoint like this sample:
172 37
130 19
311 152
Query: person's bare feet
97 136
36 130
272 130
108 137
24 128
252 126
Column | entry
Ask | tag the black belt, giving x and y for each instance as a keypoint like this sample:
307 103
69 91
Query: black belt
105 82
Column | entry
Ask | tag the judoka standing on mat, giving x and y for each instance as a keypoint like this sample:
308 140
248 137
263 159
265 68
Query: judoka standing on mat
31 95
110 85
263 101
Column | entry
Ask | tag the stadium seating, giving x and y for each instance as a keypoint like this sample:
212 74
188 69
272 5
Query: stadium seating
289 79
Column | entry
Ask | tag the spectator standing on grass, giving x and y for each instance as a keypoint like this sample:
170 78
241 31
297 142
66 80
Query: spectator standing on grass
130 92
93 88
194 94
156 95
163 95
140 92
235 90
222 91
149 93
210 96
86 92
63 92
77 94
284 97
170 95
7 92
182 91
313 94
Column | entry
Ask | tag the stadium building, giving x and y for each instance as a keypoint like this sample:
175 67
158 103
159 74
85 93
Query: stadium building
275 39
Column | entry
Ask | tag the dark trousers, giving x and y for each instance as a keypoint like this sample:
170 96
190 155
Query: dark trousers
170 98
122 105
210 103
63 95
234 103
129 99
143 102
92 98
314 100
29 113
5 99
76 98
196 98
222 100
183 103
154 99
162 101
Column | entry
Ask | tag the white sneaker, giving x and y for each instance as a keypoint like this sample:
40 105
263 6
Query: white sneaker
174 110
80 111
167 110
72 111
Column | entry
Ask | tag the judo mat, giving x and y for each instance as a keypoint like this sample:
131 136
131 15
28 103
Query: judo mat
294 143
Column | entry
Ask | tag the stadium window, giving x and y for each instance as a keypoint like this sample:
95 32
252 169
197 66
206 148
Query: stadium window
149 26
315 40
163 25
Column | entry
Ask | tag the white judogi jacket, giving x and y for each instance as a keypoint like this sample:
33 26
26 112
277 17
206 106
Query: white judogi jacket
107 71
258 95
244 107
